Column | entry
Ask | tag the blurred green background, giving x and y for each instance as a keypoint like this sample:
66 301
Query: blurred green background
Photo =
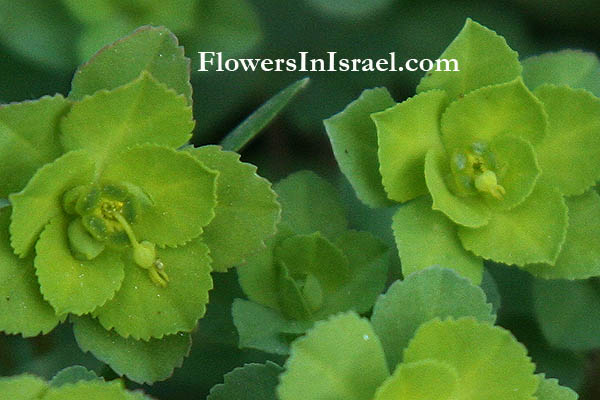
43 41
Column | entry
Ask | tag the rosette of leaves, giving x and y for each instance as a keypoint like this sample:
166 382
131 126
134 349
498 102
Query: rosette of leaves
431 336
314 267
72 383
488 168
111 221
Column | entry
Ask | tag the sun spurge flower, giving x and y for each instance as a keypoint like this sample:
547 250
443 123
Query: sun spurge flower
312 268
489 169
112 221
430 337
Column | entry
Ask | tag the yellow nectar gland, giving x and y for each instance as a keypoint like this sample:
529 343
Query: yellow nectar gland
144 254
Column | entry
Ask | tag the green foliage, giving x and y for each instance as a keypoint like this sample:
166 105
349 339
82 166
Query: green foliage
263 379
72 383
237 139
450 350
313 268
354 144
141 361
113 218
417 227
573 68
432 293
73 374
61 33
502 163
549 389
569 313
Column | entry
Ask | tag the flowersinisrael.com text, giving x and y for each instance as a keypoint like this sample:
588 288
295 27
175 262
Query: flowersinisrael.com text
214 61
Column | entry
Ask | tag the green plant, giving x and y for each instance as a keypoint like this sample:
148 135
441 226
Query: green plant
430 336
312 268
489 169
72 383
112 218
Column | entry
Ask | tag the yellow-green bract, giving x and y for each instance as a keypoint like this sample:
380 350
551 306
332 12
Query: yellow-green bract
490 166
114 222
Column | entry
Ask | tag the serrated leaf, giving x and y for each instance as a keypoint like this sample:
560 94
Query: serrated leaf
482 115
22 387
246 212
549 389
151 49
483 59
143 310
139 360
142 111
73 374
421 297
250 382
417 227
570 153
405 133
532 232
310 204
568 313
497 367
41 199
573 68
314 255
517 170
469 211
182 191
368 262
259 277
420 380
97 390
492 293
28 139
71 285
264 328
22 308
580 254
353 138
243 134
339 359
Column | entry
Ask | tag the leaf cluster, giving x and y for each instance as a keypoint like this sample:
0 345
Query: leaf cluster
497 161
112 221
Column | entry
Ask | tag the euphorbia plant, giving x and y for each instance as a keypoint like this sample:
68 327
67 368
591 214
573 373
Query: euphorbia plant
489 169
431 336
111 219
314 267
